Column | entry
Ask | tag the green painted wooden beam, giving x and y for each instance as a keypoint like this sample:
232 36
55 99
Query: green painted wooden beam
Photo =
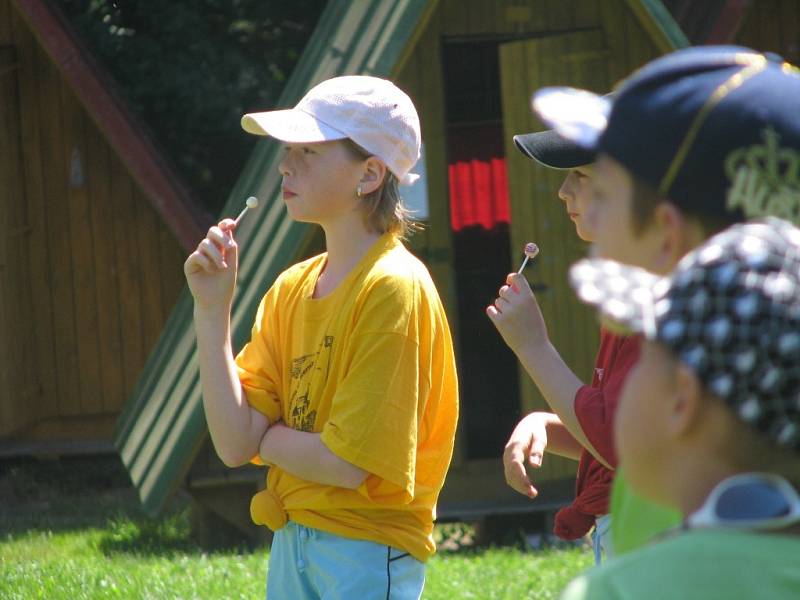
659 24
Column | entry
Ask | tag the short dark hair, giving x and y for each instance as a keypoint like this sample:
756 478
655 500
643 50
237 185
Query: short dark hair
645 199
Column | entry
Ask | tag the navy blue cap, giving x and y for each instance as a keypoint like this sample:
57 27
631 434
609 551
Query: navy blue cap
553 150
715 129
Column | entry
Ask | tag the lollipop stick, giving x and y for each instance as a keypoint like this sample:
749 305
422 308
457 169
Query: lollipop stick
239 218
251 202
524 262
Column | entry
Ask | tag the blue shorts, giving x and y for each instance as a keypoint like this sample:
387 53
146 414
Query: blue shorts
306 564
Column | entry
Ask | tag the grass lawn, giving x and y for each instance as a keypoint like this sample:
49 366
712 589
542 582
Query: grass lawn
70 530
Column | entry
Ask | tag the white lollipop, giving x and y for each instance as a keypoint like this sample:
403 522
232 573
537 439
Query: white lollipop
251 202
531 250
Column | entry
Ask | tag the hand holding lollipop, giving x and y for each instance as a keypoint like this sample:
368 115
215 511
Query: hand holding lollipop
515 312
207 271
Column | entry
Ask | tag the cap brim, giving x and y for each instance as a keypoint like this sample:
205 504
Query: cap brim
577 115
552 150
624 296
292 126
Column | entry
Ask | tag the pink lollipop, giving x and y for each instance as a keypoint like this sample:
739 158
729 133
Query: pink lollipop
531 250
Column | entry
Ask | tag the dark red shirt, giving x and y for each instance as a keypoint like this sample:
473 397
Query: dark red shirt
595 406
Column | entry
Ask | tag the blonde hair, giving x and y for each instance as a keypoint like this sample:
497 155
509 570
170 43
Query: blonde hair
383 209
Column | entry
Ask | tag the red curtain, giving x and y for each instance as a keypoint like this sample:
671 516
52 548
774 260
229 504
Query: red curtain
477 173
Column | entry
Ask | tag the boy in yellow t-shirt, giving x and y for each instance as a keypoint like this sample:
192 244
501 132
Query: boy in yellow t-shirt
347 388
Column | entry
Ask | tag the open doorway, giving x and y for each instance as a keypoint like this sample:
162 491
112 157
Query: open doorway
479 218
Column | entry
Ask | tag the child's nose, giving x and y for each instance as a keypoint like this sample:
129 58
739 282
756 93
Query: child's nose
564 193
283 165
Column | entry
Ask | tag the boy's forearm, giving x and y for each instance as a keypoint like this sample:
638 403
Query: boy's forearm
559 440
305 456
235 427
559 386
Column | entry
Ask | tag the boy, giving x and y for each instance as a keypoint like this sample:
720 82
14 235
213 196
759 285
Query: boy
347 388
719 435
666 160
574 430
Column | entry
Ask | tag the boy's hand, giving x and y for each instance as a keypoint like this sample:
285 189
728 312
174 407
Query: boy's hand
527 443
211 269
516 314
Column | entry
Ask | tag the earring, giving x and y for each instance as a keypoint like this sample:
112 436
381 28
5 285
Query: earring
358 192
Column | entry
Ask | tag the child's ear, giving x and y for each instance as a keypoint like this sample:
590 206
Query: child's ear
374 172
673 227
685 404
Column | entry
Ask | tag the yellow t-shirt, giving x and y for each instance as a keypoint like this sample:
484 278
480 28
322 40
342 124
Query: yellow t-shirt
370 366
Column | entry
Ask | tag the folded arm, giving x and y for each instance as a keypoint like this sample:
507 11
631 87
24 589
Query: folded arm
305 456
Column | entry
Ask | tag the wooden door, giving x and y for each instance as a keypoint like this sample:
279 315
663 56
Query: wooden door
574 59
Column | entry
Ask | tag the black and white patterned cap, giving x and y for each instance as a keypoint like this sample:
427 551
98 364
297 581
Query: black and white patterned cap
730 311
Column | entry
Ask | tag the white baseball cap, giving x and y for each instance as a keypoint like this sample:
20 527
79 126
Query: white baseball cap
372 112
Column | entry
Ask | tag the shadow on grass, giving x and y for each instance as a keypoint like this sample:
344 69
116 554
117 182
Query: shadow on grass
156 537
62 495
168 535
81 494
75 495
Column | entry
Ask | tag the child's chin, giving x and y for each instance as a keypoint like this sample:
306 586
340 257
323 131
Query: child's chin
582 234
297 215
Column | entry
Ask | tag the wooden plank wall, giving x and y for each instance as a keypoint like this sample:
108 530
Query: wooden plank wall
774 26
17 367
421 76
103 271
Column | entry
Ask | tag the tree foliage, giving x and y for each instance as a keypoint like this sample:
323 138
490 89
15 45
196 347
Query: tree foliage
191 68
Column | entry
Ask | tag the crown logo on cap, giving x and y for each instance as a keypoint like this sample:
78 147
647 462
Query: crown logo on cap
765 179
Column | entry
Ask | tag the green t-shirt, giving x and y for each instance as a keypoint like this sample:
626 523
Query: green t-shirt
705 564
634 520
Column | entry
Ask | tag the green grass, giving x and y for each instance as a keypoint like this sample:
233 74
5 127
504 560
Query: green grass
503 573
92 541
74 565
